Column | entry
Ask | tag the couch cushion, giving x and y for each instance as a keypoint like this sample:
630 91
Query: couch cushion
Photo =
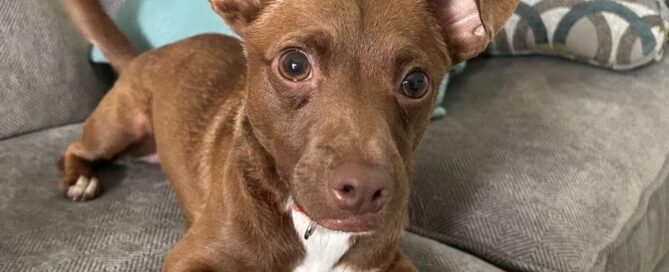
546 165
112 6
129 228
45 76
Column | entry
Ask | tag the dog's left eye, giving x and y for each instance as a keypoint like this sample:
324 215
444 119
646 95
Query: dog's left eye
415 85
294 66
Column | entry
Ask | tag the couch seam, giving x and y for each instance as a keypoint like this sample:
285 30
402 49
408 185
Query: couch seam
42 129
665 256
455 248
506 262
633 222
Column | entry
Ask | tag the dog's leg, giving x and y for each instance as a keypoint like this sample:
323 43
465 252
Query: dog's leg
120 120
201 250
402 264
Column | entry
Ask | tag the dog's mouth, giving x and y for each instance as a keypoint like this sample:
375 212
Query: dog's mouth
353 224
307 226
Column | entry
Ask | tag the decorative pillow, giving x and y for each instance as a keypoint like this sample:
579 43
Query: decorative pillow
619 34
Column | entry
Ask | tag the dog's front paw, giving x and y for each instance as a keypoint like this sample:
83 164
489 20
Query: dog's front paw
83 189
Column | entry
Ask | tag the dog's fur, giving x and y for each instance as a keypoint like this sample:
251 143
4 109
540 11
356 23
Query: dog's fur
242 146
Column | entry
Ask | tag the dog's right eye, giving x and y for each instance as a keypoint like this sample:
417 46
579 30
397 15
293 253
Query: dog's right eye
294 66
415 85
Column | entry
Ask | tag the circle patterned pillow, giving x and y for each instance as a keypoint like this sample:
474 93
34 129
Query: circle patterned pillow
618 34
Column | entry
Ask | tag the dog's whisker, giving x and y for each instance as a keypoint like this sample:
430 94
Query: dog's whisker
310 230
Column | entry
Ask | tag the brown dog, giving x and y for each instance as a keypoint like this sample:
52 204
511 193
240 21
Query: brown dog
291 151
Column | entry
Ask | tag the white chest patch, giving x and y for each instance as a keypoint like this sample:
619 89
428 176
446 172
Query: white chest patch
324 247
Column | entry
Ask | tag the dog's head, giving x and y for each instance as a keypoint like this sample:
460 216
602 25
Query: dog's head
340 93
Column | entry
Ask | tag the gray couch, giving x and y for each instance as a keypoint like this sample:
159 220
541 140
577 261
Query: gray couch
540 165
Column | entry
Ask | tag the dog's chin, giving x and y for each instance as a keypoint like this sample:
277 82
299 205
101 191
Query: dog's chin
352 224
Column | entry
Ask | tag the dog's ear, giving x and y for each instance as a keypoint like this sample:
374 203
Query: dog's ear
469 25
239 13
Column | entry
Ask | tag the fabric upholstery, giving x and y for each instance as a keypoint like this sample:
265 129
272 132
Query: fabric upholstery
112 6
663 266
45 77
129 228
432 256
561 168
647 243
620 34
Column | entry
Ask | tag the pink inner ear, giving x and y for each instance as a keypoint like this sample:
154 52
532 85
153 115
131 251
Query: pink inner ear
461 17
462 27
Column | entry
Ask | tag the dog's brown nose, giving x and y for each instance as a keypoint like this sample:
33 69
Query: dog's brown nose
360 189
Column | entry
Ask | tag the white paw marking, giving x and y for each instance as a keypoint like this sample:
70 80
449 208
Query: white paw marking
83 189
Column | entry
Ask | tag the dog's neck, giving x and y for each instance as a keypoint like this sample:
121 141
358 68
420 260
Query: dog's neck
257 169
249 199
